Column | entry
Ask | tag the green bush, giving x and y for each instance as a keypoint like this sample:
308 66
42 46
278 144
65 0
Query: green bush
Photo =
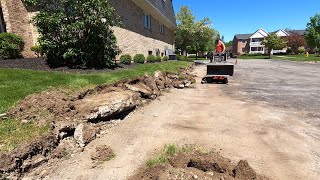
165 58
77 33
289 51
182 58
126 59
301 50
139 58
151 58
37 50
158 58
11 46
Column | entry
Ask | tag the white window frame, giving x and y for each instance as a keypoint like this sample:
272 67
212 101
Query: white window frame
161 28
147 21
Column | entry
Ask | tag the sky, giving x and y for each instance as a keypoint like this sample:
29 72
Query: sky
246 16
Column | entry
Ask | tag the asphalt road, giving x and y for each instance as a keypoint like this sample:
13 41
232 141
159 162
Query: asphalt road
284 84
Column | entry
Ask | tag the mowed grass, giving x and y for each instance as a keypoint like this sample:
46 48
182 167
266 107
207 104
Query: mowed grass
16 84
296 57
13 133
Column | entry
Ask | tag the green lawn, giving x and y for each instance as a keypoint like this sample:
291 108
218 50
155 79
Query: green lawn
297 57
16 84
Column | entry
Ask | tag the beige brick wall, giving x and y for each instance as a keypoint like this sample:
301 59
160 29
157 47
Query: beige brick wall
132 37
17 21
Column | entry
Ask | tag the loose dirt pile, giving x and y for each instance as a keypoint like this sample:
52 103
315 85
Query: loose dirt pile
197 165
81 116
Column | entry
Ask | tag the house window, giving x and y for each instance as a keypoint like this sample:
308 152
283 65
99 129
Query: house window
162 29
244 41
149 52
2 24
147 21
256 49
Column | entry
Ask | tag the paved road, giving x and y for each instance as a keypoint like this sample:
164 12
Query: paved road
284 84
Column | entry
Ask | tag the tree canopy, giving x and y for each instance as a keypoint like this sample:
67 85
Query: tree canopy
313 31
191 35
295 41
274 42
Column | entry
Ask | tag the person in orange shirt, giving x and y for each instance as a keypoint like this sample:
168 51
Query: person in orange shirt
220 47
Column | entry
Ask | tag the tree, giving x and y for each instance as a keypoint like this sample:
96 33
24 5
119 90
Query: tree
295 41
183 34
274 42
313 31
191 35
228 44
203 35
77 33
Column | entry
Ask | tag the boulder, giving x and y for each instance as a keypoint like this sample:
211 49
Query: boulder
140 88
84 134
107 105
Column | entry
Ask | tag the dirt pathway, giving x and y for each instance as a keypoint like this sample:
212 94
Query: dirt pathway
274 141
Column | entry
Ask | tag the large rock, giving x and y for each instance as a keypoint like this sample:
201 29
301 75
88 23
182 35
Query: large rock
107 105
151 83
142 89
84 134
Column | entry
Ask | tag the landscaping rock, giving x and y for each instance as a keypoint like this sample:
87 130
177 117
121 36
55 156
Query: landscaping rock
178 84
84 134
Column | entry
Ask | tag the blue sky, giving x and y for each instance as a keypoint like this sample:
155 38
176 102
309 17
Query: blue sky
246 16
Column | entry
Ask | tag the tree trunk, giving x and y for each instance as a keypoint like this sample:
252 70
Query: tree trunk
197 55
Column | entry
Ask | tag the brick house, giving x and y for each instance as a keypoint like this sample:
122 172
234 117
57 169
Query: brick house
251 43
148 25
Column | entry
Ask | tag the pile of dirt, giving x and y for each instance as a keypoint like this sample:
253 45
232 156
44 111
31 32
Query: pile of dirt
197 165
82 115
101 154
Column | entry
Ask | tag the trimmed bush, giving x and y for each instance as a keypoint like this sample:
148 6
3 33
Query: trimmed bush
301 50
11 46
165 58
151 58
139 58
182 58
37 50
126 59
158 58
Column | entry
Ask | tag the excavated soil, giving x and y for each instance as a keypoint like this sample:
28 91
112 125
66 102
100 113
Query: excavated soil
80 116
197 165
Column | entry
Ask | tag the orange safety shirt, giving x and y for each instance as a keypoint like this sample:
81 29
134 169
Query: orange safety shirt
220 47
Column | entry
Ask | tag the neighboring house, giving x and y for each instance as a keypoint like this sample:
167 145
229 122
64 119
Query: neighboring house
148 25
251 43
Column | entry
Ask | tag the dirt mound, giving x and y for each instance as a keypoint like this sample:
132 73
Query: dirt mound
101 154
196 165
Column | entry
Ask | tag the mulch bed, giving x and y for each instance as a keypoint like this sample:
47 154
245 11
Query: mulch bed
39 64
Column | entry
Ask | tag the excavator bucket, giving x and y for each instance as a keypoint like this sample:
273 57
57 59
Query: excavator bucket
223 69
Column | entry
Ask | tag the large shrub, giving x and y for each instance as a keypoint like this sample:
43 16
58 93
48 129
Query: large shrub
11 46
77 33
301 50
165 58
158 59
126 59
151 58
182 58
139 58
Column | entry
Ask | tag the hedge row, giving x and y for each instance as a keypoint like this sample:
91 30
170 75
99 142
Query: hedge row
141 59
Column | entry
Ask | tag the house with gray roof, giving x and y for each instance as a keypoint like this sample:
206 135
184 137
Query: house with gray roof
251 43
